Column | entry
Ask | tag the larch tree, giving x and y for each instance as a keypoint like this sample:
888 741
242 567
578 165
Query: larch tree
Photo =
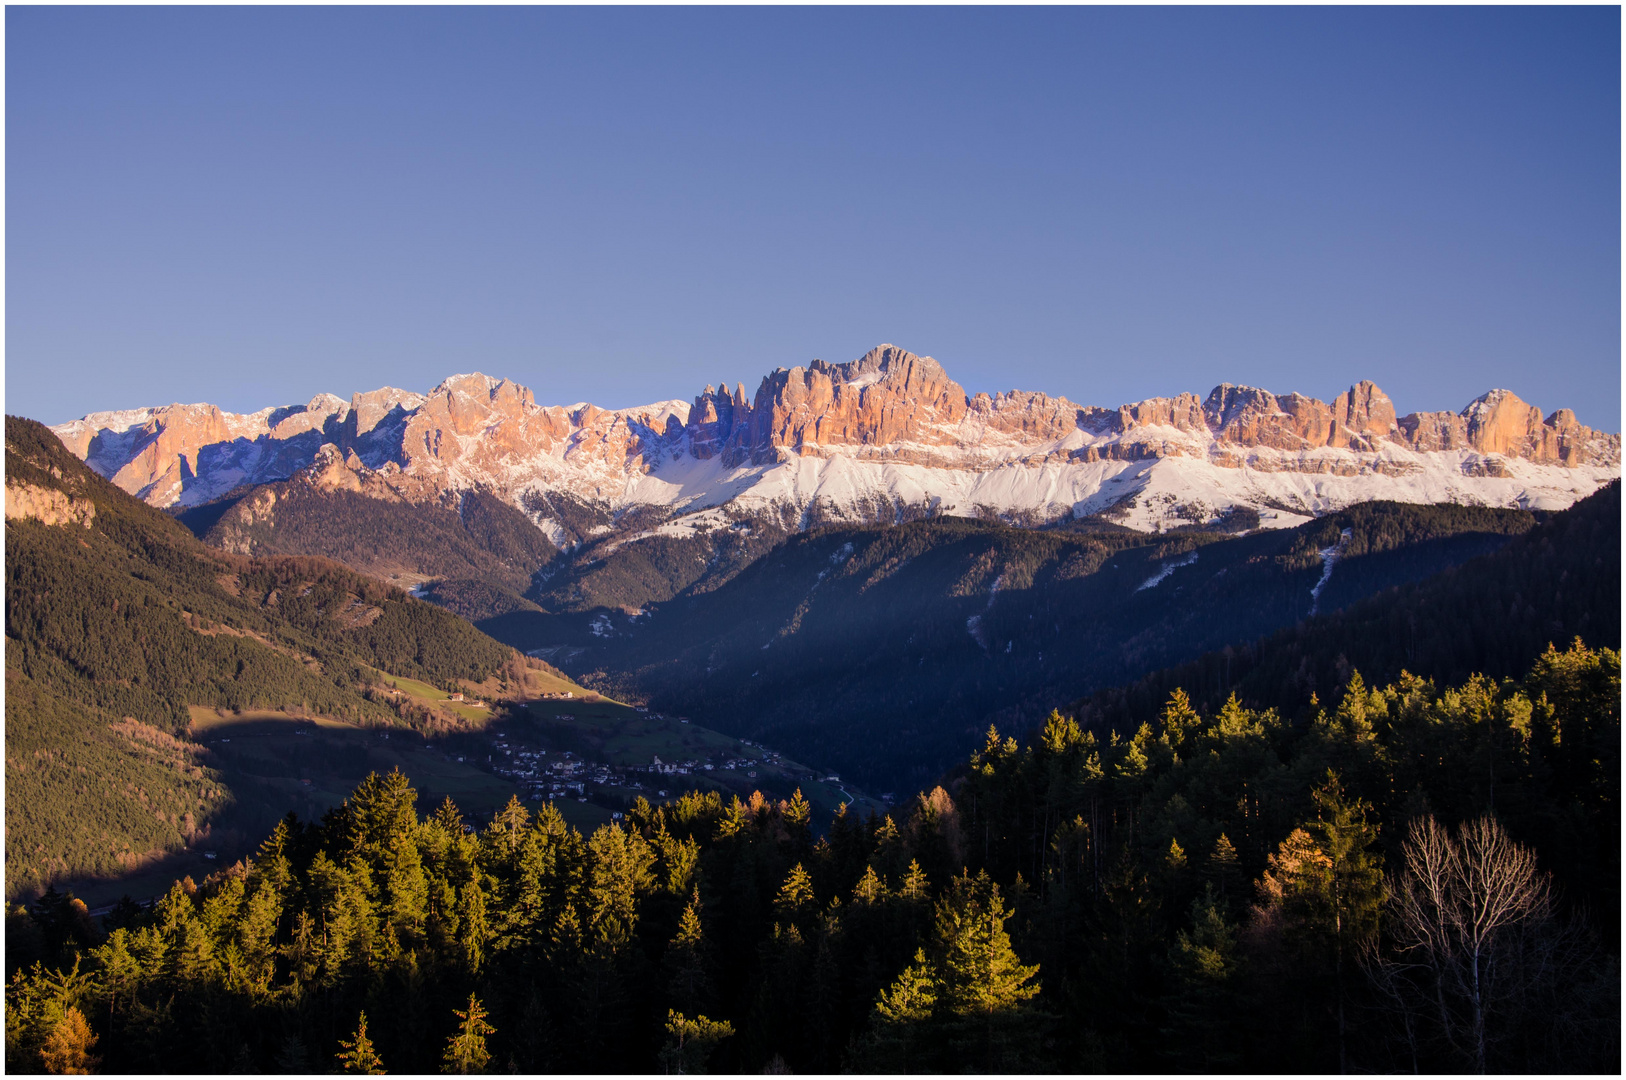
67 1050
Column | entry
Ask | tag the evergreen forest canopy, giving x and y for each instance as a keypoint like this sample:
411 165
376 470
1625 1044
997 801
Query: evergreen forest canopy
1238 890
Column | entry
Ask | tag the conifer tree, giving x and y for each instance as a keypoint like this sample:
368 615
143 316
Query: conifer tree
1199 1008
689 1043
891 857
1355 880
898 1023
67 1050
688 979
795 899
870 889
357 1055
984 985
1327 883
407 889
1180 721
466 1050
382 814
449 818
1224 870
797 815
915 888
471 913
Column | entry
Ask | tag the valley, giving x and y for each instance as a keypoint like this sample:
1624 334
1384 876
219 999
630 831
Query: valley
889 649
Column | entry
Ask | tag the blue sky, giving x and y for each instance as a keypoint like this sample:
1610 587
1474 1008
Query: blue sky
253 205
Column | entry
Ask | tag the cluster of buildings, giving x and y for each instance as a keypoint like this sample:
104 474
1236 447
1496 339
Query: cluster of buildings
563 776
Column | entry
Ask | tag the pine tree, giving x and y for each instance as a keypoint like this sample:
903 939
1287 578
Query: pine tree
797 815
382 814
1324 888
466 1050
449 818
357 1054
890 854
622 871
915 887
471 913
407 889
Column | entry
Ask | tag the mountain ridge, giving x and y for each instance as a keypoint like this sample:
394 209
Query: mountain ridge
890 429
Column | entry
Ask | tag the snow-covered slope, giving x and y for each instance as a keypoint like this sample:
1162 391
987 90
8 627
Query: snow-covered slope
887 435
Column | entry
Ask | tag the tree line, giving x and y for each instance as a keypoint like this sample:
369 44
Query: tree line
1231 891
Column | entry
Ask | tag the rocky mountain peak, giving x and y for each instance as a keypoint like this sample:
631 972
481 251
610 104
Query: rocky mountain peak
889 409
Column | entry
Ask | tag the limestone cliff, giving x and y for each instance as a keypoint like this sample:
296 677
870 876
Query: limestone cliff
888 410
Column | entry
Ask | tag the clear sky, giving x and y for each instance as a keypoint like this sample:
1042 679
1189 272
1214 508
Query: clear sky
251 206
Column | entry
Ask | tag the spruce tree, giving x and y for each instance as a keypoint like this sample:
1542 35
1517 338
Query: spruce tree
357 1054
985 987
466 1050
795 899
897 1040
1199 1006
688 980
1224 869
1355 881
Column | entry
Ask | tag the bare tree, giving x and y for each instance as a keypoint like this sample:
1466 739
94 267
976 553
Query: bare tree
1467 920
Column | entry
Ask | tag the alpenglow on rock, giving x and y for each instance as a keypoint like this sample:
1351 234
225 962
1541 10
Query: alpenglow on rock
887 433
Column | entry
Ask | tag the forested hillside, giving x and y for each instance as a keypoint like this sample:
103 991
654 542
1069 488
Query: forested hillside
1557 582
474 535
889 649
1228 891
118 621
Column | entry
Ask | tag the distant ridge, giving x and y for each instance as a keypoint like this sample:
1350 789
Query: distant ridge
888 429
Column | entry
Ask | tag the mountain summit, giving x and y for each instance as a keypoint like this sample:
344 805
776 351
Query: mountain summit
887 432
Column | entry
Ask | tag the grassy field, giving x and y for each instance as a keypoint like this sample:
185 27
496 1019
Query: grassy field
479 717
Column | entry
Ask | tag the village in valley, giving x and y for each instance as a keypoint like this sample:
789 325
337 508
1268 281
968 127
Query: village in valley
591 750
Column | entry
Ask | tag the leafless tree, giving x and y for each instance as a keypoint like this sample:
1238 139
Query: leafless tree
1475 945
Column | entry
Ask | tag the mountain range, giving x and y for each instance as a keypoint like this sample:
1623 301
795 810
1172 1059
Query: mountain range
883 438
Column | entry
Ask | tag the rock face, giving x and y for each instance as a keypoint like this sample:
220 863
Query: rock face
888 428
47 505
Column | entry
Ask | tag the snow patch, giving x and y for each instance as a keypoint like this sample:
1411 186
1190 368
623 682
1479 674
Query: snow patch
1165 569
1329 559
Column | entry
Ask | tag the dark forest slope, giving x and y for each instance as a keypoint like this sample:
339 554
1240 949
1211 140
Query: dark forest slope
1492 615
890 649
118 620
